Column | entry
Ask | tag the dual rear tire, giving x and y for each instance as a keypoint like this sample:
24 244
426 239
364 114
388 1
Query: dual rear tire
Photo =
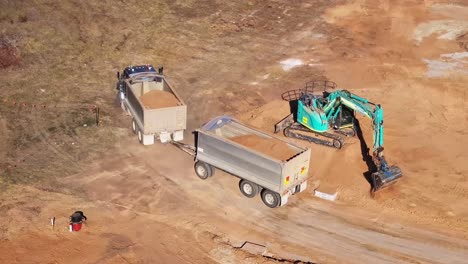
247 188
142 138
203 170
137 131
250 190
134 127
270 198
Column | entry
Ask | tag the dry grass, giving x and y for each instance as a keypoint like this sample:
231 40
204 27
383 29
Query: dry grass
70 58
72 49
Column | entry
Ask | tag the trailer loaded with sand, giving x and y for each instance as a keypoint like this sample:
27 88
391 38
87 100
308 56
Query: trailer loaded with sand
265 164
156 109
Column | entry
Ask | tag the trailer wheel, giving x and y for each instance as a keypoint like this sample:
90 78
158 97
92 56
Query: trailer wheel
134 126
203 170
270 198
248 189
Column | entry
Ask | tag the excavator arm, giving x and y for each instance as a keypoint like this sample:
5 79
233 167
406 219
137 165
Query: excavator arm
385 175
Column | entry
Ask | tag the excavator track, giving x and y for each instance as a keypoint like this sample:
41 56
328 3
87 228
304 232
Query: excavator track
329 139
347 131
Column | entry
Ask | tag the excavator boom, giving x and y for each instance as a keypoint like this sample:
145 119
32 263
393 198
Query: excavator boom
385 175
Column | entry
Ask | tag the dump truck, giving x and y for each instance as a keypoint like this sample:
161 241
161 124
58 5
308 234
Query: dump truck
264 163
156 109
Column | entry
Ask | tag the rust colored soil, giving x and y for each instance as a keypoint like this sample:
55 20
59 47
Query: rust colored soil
158 99
271 147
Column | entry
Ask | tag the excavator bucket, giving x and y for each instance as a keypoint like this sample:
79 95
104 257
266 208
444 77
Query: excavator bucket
385 177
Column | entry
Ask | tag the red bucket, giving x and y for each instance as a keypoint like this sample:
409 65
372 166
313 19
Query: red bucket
76 226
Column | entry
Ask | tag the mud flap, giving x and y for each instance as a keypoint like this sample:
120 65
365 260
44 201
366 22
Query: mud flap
303 186
300 187
178 135
148 140
165 137
284 199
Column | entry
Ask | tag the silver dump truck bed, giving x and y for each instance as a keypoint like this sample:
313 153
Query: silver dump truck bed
217 144
163 122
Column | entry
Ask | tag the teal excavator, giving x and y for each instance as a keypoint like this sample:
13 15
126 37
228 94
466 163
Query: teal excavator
324 115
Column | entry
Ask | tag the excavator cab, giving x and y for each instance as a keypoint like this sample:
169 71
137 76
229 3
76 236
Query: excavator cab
306 99
344 119
312 101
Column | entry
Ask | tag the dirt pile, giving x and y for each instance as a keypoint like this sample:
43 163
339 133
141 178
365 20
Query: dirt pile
327 163
268 146
158 99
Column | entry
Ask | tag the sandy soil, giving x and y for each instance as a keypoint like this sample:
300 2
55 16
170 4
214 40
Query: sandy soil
146 205
112 234
268 146
158 99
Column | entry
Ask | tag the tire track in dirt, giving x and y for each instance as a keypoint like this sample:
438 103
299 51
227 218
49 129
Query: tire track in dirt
306 225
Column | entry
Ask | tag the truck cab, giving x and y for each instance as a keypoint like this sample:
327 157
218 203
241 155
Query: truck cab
130 72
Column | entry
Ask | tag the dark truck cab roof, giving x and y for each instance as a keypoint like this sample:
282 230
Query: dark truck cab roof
131 71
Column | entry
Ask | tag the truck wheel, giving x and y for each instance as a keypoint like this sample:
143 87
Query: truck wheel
270 198
203 170
140 136
248 189
134 126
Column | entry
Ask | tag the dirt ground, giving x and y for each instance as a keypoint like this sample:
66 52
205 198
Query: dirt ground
146 205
